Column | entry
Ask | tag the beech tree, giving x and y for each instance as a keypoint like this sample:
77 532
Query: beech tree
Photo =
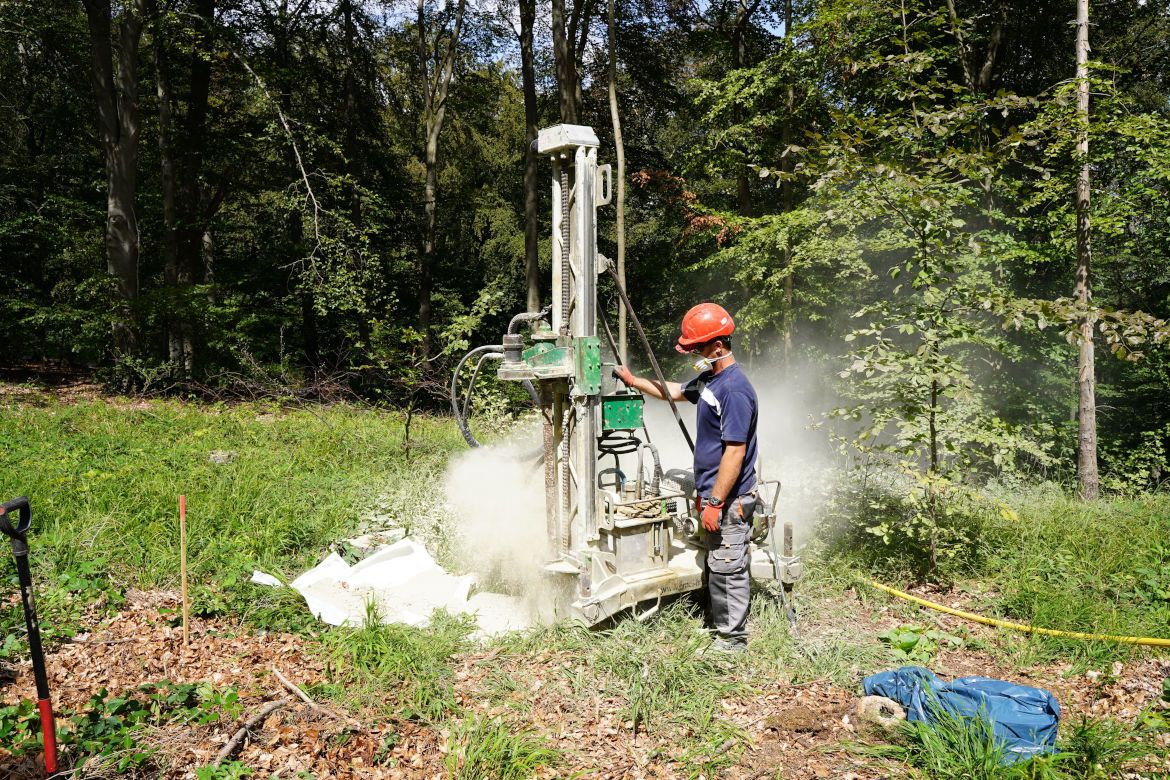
114 76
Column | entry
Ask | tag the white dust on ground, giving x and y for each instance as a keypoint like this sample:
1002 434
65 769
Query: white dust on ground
496 496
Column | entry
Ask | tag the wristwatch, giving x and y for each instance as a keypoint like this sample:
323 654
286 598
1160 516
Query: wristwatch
715 501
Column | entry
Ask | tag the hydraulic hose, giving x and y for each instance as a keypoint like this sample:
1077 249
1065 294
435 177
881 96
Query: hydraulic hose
460 419
527 316
1129 640
495 351
474 376
653 360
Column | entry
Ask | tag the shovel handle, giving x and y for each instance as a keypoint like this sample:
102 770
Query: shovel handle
23 518
49 733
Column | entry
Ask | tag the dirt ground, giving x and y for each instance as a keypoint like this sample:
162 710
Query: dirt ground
795 730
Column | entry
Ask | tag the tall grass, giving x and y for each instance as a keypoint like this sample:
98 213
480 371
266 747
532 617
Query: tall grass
405 670
1065 564
105 478
954 746
491 749
1046 558
266 488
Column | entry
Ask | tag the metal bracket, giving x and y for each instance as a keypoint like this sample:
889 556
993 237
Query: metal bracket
604 176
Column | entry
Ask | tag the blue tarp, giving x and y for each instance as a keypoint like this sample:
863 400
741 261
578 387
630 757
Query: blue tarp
1023 718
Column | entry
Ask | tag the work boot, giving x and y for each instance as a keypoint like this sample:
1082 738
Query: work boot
731 646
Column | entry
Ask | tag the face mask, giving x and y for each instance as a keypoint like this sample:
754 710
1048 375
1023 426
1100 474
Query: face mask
708 363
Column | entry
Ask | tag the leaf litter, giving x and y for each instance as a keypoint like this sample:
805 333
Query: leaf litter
781 728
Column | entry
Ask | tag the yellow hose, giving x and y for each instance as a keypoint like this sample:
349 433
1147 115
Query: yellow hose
1131 640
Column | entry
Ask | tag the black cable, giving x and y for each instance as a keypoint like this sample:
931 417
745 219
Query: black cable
495 352
615 443
460 420
653 361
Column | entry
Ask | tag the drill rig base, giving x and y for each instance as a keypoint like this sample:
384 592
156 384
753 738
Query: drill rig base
618 592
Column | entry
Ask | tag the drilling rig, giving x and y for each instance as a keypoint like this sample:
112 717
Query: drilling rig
622 531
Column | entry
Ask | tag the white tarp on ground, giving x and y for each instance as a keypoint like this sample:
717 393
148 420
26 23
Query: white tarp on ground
405 584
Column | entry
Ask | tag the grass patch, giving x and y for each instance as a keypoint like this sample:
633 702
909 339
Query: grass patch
954 746
104 480
1095 568
491 749
1052 561
405 670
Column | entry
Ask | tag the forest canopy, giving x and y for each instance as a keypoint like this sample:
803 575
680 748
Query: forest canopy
884 193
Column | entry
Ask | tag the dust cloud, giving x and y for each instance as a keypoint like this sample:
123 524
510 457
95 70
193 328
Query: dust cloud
496 496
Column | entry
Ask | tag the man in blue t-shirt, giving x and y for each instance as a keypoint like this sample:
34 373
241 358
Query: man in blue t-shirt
725 461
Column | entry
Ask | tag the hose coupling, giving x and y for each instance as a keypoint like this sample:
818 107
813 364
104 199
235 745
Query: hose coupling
513 348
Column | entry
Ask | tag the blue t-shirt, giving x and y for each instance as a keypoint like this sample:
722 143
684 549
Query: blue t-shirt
727 409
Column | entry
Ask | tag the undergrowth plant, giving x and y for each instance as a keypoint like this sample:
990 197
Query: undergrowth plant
111 732
482 748
405 669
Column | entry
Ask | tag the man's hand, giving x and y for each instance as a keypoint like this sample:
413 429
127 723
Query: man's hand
623 373
710 518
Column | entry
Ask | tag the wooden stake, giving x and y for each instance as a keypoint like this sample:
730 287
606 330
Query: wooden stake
183 562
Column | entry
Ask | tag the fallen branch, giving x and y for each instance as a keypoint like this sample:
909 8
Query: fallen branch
353 723
236 739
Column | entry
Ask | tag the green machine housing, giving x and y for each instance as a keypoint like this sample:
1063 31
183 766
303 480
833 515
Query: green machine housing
620 411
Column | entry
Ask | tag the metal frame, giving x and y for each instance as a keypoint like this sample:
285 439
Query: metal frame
622 549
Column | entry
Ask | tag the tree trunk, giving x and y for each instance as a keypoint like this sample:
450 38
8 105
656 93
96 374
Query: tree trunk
167 175
435 111
578 38
621 182
743 15
193 220
1086 382
565 67
116 94
531 183
786 168
352 153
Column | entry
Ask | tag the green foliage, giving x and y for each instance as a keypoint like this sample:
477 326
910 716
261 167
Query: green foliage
229 770
20 727
917 645
108 732
414 663
484 748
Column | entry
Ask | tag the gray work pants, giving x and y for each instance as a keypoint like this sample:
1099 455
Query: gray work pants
728 576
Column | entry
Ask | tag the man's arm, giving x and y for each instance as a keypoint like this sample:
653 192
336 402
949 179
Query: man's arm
651 387
729 466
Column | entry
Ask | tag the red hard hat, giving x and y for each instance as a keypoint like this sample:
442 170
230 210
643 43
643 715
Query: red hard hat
703 323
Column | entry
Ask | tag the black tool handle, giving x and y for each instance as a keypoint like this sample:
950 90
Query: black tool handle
17 533
33 624
19 536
